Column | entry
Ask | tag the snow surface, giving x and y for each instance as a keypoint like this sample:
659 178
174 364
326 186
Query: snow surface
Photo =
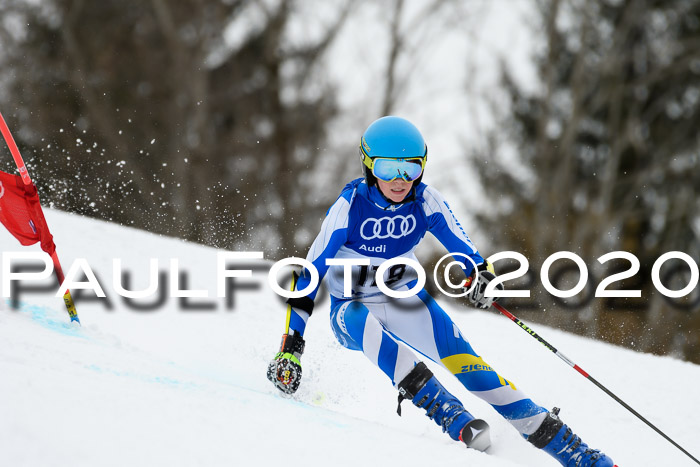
184 388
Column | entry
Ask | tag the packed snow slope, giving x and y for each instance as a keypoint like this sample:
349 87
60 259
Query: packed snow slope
172 386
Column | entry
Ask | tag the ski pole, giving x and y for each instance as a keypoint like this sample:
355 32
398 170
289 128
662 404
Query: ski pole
67 297
588 377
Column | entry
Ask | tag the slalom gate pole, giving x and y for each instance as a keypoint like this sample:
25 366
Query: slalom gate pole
527 329
67 297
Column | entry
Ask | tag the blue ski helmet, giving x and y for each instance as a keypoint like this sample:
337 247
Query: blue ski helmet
391 138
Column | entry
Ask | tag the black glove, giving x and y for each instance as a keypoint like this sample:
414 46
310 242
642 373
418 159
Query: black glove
285 369
486 275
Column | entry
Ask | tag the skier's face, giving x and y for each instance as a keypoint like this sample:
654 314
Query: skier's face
396 190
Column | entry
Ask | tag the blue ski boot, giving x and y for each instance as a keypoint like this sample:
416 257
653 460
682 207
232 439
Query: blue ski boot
426 392
557 440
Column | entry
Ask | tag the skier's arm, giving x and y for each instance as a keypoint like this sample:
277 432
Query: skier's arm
443 224
446 228
285 369
333 234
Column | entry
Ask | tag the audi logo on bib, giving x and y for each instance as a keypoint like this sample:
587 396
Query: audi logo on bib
387 227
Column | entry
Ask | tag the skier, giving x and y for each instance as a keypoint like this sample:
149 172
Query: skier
384 215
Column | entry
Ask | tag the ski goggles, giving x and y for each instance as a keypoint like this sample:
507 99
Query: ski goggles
388 169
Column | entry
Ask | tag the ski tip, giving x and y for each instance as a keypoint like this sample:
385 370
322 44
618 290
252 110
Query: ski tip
476 435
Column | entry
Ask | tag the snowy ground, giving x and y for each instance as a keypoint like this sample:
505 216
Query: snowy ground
183 388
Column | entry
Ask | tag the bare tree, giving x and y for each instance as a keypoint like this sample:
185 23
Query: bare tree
150 114
607 159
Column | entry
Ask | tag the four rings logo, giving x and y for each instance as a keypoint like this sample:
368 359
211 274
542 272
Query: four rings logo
387 227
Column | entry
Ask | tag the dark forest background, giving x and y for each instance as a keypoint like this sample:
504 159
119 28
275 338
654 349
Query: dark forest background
208 121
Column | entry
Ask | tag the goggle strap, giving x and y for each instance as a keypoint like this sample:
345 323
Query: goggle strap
366 160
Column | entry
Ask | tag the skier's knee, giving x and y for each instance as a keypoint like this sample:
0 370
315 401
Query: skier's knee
353 319
348 324
355 311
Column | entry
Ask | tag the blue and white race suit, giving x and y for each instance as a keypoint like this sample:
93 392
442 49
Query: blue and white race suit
363 224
